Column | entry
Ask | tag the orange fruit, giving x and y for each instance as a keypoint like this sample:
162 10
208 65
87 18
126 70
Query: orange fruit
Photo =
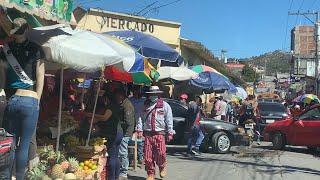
89 165
88 171
86 163
85 168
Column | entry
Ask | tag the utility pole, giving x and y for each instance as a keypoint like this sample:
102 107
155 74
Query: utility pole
264 72
223 55
316 30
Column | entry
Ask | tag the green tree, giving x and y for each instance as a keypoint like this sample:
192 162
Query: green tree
248 73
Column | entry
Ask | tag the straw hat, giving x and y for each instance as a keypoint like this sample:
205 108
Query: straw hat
154 90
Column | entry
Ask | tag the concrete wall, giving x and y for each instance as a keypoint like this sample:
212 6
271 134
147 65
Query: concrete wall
302 40
190 57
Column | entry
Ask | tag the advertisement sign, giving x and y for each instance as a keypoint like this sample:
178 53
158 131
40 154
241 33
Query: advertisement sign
55 10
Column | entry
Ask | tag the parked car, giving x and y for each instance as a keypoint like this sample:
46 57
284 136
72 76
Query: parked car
301 130
219 135
270 112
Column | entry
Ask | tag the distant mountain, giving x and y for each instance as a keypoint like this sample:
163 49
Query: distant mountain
277 61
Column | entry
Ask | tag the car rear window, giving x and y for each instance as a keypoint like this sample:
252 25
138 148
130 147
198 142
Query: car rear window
272 107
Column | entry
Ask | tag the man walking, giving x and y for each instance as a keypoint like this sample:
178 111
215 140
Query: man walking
138 102
157 127
128 125
195 135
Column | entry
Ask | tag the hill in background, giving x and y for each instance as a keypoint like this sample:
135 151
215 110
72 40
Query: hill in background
277 61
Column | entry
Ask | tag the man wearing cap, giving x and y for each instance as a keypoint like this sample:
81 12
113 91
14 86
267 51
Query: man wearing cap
157 127
184 98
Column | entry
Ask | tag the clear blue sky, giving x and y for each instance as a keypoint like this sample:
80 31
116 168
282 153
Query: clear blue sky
243 27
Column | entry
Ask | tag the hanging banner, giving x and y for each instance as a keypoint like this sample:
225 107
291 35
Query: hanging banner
55 10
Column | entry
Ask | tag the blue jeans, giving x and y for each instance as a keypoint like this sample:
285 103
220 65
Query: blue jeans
124 158
21 119
195 135
140 149
113 160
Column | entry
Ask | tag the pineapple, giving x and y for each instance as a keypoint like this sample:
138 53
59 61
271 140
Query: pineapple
57 171
59 157
80 174
35 174
73 164
45 151
46 177
65 165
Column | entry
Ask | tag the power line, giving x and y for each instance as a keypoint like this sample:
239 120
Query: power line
157 8
146 8
285 38
312 5
298 11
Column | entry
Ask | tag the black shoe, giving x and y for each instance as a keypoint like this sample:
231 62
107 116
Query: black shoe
189 154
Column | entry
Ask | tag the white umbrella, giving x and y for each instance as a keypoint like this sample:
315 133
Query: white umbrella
83 50
241 93
176 73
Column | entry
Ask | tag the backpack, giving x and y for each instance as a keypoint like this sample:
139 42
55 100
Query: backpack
249 109
6 142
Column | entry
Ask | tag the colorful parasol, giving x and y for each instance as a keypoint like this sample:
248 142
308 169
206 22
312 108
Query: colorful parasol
85 51
149 46
55 10
214 81
307 98
177 73
203 68
142 77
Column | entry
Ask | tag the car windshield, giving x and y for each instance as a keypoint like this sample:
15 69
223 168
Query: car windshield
272 107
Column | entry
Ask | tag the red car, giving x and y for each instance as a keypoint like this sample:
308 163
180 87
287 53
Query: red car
301 130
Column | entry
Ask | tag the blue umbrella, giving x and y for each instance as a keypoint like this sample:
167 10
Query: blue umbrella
149 46
211 80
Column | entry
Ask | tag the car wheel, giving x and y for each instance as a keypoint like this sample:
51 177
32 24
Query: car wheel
278 141
221 143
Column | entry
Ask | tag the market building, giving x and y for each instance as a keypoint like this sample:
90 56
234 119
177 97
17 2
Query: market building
101 21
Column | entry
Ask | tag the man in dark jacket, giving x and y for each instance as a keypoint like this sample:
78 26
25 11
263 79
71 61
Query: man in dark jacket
128 125
195 135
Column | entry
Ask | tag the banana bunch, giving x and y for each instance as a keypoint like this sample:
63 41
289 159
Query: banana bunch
97 141
66 121
72 141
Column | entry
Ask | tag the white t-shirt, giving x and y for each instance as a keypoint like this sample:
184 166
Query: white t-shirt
223 107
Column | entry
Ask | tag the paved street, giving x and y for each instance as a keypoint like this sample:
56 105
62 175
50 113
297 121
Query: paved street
258 163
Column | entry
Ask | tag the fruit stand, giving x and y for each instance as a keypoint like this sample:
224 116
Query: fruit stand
57 165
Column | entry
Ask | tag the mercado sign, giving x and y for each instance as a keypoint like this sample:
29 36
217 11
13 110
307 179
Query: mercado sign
123 24
55 10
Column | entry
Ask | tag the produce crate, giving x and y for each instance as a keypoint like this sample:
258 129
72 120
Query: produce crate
84 152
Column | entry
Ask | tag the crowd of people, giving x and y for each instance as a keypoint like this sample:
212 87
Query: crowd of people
120 115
